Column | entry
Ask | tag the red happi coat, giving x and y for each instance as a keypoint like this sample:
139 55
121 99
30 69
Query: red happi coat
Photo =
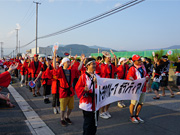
5 79
33 69
23 68
75 67
46 79
83 69
120 71
54 81
135 74
105 71
85 103
98 69
7 64
59 74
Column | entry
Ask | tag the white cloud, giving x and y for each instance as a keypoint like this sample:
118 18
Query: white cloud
10 33
117 4
13 31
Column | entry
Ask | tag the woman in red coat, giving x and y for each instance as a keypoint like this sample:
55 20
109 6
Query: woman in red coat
107 71
122 71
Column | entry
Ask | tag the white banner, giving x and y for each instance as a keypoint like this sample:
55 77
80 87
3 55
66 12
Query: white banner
113 90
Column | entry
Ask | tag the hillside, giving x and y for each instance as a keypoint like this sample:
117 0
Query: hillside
79 49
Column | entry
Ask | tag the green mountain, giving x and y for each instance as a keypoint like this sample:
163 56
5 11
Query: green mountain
78 49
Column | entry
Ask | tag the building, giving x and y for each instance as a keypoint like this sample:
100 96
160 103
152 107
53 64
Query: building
40 50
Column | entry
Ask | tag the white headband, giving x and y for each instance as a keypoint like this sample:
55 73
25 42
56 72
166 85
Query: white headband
90 62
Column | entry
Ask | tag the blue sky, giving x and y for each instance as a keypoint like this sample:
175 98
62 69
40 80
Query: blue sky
150 24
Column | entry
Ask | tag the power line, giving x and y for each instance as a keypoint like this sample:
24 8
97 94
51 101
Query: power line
87 22
91 20
22 21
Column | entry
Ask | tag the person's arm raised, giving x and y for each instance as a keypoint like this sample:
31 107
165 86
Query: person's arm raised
13 67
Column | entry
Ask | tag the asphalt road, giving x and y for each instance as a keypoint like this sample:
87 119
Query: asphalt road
162 117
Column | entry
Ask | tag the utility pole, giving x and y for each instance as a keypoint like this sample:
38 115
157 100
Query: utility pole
70 51
37 3
1 49
13 53
16 41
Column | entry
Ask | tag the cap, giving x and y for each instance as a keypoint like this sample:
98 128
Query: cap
122 59
36 55
136 57
65 59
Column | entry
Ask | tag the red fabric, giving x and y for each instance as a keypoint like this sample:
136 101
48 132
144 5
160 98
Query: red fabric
98 69
105 71
5 79
17 60
62 79
46 78
83 69
32 67
75 67
132 73
80 86
7 63
120 71
52 74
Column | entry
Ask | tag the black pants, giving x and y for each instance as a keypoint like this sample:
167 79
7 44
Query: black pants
46 90
16 73
74 82
55 101
89 127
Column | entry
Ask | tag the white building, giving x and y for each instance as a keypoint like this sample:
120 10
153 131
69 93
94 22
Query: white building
40 50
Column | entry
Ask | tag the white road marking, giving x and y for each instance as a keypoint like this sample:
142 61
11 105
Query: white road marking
34 122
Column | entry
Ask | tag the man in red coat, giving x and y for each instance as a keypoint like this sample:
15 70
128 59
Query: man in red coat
137 71
66 91
35 67
86 88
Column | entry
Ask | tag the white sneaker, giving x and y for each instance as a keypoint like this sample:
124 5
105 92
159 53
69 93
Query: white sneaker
140 120
103 115
58 109
123 104
107 113
133 120
54 110
120 105
21 85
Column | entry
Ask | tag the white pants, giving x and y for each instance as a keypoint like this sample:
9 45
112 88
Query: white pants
22 79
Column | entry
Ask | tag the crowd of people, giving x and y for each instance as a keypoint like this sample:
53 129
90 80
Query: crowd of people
63 77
